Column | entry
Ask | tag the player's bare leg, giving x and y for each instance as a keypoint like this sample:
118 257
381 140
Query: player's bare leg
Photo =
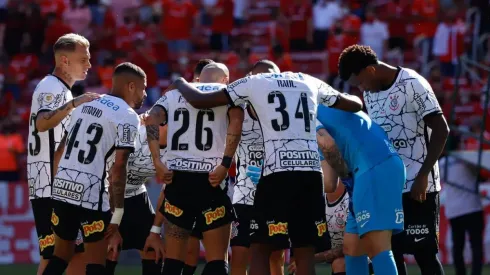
216 242
175 248
356 260
277 262
260 258
304 258
338 266
239 260
42 265
192 257
63 252
77 264
96 254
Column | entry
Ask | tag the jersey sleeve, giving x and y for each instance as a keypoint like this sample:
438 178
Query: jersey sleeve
49 95
127 131
422 98
327 95
239 91
163 102
319 125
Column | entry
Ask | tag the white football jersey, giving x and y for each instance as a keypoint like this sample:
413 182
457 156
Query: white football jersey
195 138
337 213
250 151
96 130
50 94
286 105
140 165
400 110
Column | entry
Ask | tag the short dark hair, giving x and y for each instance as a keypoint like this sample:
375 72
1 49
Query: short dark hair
129 68
69 42
266 62
201 64
355 58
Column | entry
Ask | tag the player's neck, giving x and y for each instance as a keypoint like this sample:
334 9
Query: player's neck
59 73
387 75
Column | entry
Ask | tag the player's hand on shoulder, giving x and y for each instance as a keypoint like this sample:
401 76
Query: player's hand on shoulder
86 97
173 86
217 176
163 173
143 118
115 244
254 172
154 241
419 188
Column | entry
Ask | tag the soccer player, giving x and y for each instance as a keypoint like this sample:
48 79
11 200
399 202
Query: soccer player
97 130
195 195
403 103
52 103
360 147
285 104
139 214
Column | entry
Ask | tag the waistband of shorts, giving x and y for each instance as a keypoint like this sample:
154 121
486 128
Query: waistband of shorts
359 172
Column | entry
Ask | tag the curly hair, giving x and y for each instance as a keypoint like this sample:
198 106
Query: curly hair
355 58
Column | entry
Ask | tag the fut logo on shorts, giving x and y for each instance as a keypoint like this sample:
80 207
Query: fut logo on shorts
299 158
54 219
321 228
94 227
46 242
278 228
215 215
173 210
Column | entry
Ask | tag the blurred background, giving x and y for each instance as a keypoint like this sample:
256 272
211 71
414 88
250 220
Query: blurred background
447 41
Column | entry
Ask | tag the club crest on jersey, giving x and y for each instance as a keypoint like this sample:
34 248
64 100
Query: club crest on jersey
173 210
48 98
212 216
394 102
94 227
46 242
339 220
321 228
278 228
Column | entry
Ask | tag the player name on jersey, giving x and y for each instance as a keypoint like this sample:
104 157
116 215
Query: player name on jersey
286 105
96 130
195 138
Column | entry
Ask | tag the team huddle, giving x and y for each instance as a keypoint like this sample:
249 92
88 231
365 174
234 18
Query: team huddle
315 174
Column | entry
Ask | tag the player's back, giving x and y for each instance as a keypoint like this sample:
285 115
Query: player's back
50 94
96 129
285 104
362 142
195 137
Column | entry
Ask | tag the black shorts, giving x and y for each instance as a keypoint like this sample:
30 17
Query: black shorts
192 203
196 234
219 41
42 208
136 222
421 225
240 228
289 206
67 219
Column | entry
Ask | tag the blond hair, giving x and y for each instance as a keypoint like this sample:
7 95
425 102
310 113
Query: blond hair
68 42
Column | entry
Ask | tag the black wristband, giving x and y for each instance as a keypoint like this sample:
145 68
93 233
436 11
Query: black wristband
226 162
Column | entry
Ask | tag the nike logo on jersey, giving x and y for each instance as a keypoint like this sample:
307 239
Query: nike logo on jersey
418 240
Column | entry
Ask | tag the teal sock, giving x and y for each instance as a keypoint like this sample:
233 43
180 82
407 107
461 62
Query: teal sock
357 265
384 263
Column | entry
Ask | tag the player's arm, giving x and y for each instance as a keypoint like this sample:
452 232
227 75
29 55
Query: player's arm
234 133
156 117
119 176
58 153
349 103
49 117
199 99
158 220
330 176
329 256
330 97
332 153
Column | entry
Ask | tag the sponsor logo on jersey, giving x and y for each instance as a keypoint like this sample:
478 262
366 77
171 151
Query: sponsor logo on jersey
127 132
255 154
212 216
189 165
208 88
54 218
236 83
67 189
417 229
46 242
399 143
299 158
137 179
400 217
107 102
420 102
386 127
48 98
278 228
94 227
173 210
321 228
362 218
